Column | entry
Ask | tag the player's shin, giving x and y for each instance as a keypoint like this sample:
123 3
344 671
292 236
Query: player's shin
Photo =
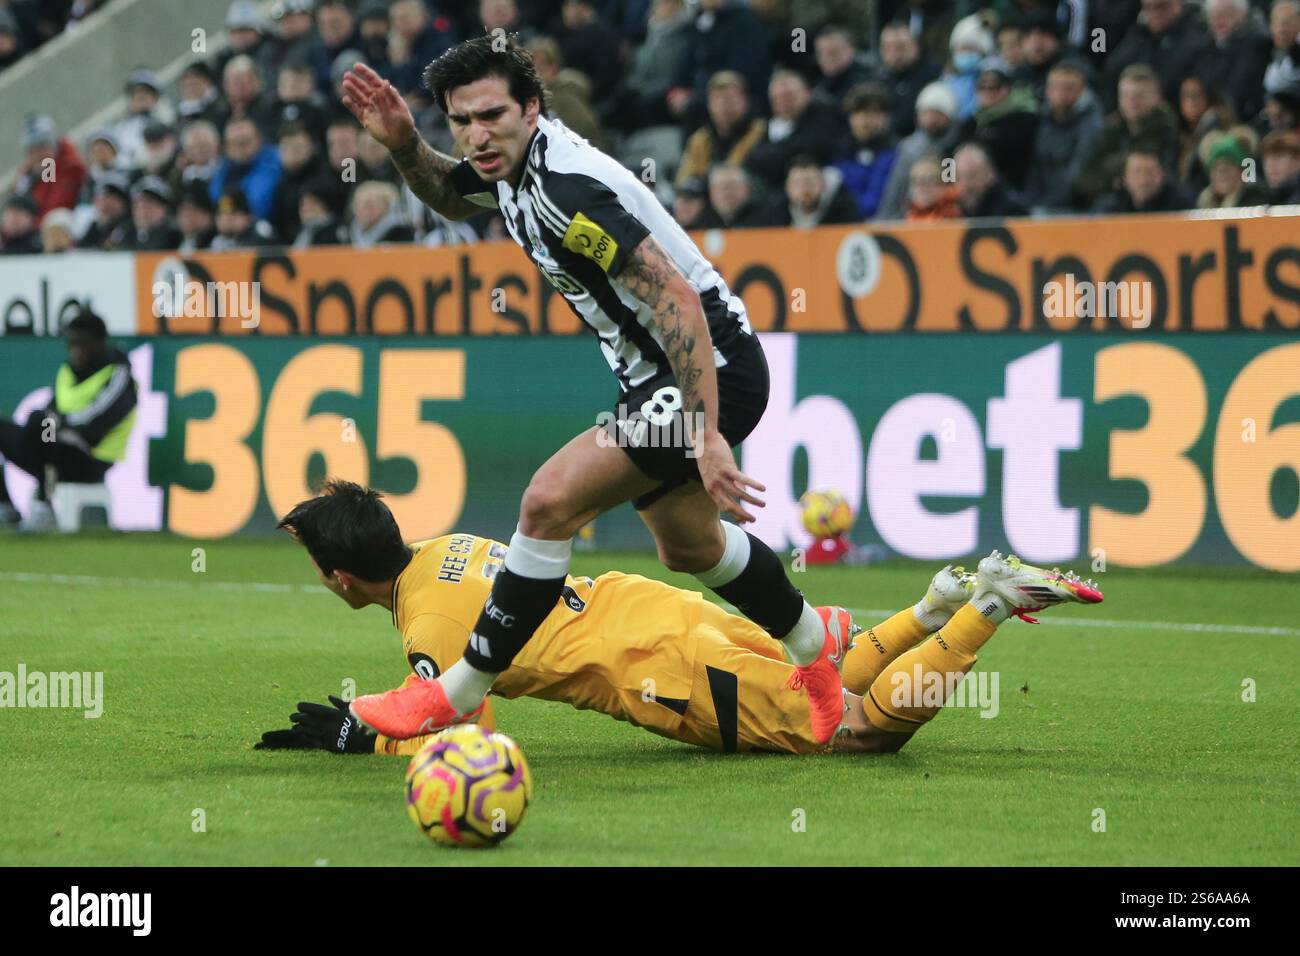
912 689
524 592
751 577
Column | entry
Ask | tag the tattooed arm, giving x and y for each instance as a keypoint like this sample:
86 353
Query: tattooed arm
428 173
381 110
679 323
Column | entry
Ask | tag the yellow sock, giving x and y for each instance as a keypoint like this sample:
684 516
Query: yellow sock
877 647
897 701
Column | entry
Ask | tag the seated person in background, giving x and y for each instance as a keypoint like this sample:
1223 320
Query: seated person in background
237 227
1225 155
194 216
731 132
83 430
1005 121
814 197
19 234
377 216
865 157
980 190
798 125
929 197
320 227
732 204
1145 187
150 202
690 202
1281 156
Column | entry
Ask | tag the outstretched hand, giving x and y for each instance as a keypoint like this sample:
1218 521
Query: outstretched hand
378 107
726 484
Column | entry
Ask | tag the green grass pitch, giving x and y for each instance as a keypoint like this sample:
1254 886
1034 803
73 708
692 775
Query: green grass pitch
1139 714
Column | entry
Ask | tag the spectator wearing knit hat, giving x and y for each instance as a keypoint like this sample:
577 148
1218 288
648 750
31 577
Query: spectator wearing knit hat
52 171
57 232
150 204
237 226
110 228
1040 49
1225 156
970 44
937 131
144 105
250 36
19 234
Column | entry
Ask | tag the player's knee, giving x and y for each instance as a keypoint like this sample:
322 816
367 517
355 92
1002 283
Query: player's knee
545 510
687 559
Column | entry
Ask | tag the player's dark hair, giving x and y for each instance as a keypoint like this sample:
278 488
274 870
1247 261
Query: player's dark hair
346 527
90 325
498 54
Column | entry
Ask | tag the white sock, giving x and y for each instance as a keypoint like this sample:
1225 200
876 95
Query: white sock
929 616
466 686
807 639
991 606
735 556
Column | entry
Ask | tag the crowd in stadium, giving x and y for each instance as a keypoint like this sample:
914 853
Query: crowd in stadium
739 114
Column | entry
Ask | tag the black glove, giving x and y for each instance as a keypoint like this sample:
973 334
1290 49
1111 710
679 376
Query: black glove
317 727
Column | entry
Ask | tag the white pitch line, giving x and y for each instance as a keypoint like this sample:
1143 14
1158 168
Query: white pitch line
91 580
1190 626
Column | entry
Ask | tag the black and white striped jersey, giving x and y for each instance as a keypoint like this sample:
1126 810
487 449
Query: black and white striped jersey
578 214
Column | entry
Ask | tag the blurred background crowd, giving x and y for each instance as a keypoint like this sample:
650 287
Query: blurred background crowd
738 113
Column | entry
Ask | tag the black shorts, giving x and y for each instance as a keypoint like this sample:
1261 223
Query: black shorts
647 421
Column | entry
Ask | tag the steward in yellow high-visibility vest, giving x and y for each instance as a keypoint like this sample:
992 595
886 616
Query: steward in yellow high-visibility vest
85 428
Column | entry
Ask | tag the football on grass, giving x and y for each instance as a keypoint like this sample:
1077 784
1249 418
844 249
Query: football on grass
468 787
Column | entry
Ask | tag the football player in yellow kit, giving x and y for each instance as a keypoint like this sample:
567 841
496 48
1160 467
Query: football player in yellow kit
646 652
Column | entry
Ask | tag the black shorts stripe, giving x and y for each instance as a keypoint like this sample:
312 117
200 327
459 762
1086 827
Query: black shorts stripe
724 689
675 704
890 713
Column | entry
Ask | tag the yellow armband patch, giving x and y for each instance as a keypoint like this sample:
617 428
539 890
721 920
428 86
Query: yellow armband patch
587 239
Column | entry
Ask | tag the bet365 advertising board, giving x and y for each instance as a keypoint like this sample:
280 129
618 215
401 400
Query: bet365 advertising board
1134 449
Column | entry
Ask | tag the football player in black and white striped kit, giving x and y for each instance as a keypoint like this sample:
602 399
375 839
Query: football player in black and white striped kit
692 379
